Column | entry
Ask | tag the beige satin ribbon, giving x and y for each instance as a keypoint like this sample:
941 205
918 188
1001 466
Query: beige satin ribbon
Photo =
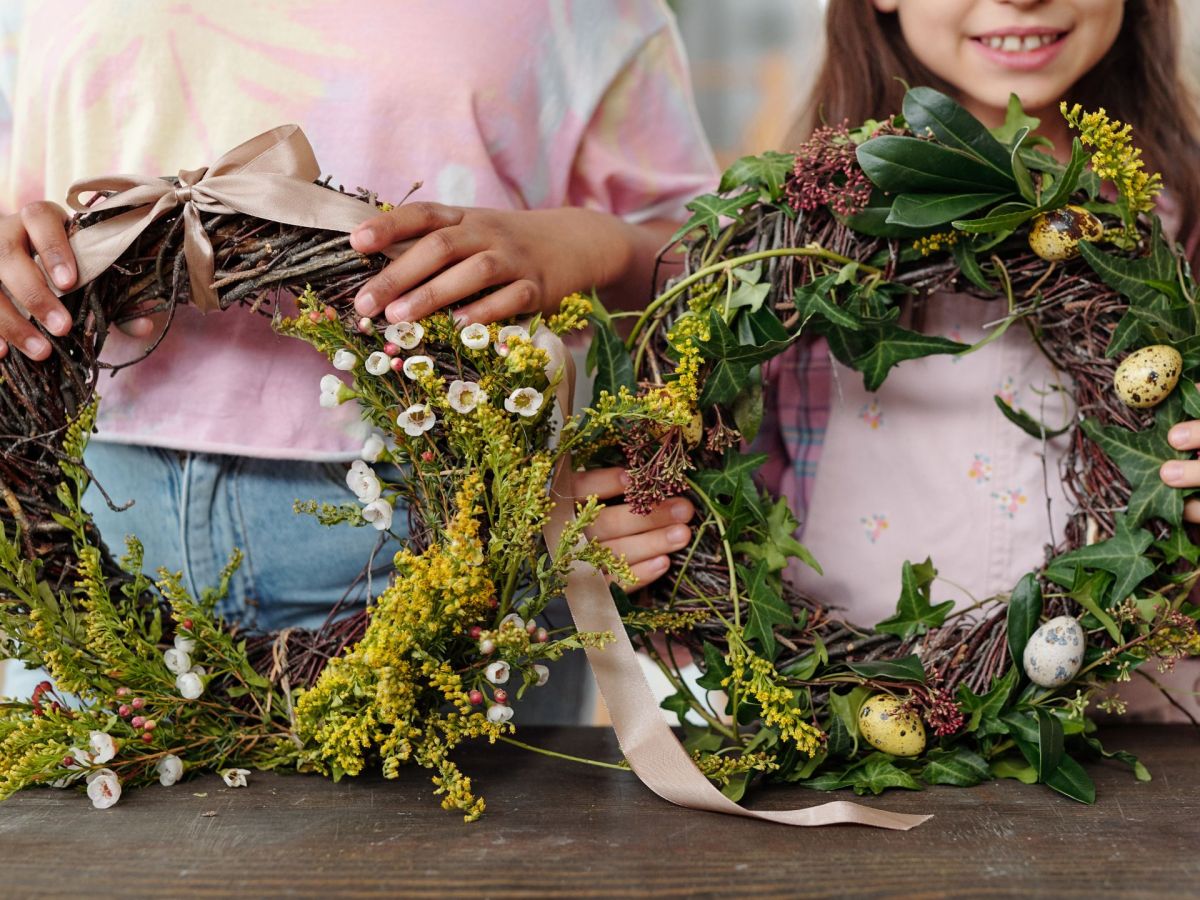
269 176
654 753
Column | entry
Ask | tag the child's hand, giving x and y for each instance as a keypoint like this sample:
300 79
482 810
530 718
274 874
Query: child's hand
644 540
37 228
1184 473
533 258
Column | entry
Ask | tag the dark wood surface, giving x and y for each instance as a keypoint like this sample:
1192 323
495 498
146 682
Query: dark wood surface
556 829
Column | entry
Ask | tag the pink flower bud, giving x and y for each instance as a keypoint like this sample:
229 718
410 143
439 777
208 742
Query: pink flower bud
391 349
531 626
122 692
487 646
138 721
147 737
68 761
475 632
542 635
137 703
501 695
314 316
188 624
365 325
150 725
123 710
397 364
476 697
330 313
427 456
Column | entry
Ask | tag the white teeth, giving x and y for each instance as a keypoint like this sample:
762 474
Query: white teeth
1012 43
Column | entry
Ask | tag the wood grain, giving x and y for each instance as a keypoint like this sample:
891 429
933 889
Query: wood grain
558 829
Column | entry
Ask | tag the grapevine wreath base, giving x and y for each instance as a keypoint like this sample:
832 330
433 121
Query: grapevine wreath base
844 240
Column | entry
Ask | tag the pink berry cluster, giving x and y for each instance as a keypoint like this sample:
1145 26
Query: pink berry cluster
131 708
826 173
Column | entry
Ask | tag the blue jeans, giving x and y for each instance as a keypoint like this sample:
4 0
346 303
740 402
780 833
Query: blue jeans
192 509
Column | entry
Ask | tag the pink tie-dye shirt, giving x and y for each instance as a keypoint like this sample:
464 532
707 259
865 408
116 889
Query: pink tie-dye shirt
519 104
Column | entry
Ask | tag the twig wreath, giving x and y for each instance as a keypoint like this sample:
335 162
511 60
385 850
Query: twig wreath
834 240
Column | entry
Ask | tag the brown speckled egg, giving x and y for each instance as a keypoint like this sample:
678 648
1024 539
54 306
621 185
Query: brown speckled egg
694 430
887 726
1055 235
1145 377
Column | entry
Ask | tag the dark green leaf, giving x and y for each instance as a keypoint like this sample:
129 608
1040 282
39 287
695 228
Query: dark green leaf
1070 780
902 165
1024 612
1140 772
984 712
914 612
1123 555
845 708
1005 217
1021 172
779 543
767 172
873 220
1127 276
716 670
1139 455
678 703
613 365
736 788
734 477
877 773
928 110
708 210
931 210
892 344
907 668
1050 744
825 781
811 301
733 360
968 264
1028 423
767 608
958 766
1068 182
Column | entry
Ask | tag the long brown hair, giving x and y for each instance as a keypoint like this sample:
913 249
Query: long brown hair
1139 81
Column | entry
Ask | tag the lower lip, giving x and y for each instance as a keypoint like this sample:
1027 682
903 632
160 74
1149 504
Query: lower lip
1024 60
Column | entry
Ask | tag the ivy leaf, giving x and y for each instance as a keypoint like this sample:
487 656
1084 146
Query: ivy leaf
1024 612
984 712
767 608
779 543
767 172
1178 546
891 345
678 703
748 409
708 209
958 766
1128 276
1015 121
749 293
1123 555
1139 455
610 359
733 360
734 477
814 299
845 708
907 668
877 773
716 669
914 613
927 109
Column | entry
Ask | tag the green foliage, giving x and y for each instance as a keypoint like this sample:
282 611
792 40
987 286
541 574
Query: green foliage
915 614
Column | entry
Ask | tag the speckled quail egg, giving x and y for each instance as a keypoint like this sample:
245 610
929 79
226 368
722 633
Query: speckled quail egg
1145 377
1054 653
1055 235
886 725
694 430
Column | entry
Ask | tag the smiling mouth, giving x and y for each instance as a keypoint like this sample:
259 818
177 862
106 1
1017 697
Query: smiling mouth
1020 43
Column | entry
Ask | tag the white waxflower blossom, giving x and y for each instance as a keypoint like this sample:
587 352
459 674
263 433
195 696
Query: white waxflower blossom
547 340
524 401
333 391
198 670
83 758
189 685
103 747
405 335
515 619
543 674
186 644
506 334
177 661
499 713
372 447
345 360
170 769
379 514
464 396
103 788
475 336
378 363
417 419
416 366
497 672
364 482
235 778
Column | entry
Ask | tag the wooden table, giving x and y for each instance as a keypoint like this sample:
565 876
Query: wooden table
559 829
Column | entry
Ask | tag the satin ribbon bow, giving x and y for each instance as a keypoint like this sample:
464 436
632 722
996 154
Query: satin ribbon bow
270 177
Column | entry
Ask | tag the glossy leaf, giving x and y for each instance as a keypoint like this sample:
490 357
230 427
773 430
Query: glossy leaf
907 668
1070 780
958 766
767 608
926 109
914 613
1024 613
1123 555
767 172
892 345
708 209
902 165
931 210
613 364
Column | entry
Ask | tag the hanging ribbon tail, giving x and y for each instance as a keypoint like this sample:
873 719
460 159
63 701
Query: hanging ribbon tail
652 749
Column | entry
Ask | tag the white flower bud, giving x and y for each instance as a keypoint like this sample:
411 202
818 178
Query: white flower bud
189 685
177 661
499 713
345 360
487 646
497 672
372 447
515 619
506 334
464 396
524 401
543 674
103 747
170 769
405 335
186 644
475 336
235 778
378 363
334 392
364 482
379 514
103 788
